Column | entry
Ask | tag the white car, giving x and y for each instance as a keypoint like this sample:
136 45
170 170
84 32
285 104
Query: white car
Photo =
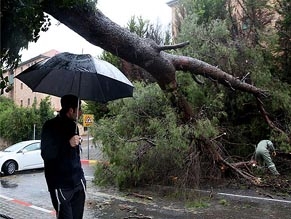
21 156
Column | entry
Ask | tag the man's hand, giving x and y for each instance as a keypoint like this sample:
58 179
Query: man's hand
75 140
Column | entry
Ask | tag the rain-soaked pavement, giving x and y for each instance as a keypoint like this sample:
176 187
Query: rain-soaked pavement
25 196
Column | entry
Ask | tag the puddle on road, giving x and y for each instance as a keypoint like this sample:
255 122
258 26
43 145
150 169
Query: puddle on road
6 184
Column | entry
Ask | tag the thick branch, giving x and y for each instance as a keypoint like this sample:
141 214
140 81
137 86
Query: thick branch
198 67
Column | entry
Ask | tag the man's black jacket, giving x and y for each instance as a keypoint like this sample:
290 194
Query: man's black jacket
62 165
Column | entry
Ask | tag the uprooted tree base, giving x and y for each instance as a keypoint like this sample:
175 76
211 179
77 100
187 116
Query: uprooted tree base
207 165
246 174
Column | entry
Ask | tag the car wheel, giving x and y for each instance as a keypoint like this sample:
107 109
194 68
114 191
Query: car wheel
9 167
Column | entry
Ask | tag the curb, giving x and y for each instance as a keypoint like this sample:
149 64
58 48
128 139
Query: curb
89 161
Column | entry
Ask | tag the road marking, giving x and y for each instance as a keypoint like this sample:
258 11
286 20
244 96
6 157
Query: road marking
26 204
7 198
255 197
21 202
42 209
246 196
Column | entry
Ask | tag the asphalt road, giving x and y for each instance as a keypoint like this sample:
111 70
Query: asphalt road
24 196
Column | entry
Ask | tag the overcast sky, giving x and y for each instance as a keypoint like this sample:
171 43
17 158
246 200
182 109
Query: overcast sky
63 39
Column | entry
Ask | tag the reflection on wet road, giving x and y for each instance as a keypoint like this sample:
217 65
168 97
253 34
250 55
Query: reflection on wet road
6 184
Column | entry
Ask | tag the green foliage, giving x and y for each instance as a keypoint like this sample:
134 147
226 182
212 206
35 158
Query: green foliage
145 29
139 26
140 136
44 112
207 10
5 103
4 82
17 123
23 20
209 42
200 203
112 59
213 41
95 108
143 141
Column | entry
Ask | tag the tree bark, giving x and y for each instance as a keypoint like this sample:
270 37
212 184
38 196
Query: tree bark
99 30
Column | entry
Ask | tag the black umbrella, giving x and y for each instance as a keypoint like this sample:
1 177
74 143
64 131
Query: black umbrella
84 76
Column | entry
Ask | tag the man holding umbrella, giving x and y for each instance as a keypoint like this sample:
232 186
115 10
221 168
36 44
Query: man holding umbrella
87 78
60 150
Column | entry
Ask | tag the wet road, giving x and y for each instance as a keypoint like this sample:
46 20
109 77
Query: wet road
26 189
24 195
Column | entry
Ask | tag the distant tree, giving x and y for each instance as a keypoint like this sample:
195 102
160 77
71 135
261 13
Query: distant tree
19 124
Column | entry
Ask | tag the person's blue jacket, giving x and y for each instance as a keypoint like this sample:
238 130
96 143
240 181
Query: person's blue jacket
62 165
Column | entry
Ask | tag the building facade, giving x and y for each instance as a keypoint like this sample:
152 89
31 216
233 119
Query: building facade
178 15
20 93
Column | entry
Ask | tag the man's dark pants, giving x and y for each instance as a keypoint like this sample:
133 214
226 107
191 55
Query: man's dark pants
69 203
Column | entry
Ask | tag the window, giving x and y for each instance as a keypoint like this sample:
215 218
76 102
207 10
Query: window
28 102
21 86
32 147
21 102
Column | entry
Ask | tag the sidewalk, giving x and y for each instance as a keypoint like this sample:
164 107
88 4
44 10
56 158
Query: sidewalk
15 209
19 209
90 153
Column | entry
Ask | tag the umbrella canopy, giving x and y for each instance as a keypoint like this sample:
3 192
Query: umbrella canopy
83 75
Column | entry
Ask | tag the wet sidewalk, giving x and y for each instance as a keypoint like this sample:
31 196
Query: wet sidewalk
20 209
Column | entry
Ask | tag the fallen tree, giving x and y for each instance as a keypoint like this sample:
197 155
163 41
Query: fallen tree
90 23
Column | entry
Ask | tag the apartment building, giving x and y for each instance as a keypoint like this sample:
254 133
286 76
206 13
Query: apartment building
20 93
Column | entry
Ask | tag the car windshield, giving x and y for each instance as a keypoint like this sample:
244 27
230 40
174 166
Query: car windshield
15 147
